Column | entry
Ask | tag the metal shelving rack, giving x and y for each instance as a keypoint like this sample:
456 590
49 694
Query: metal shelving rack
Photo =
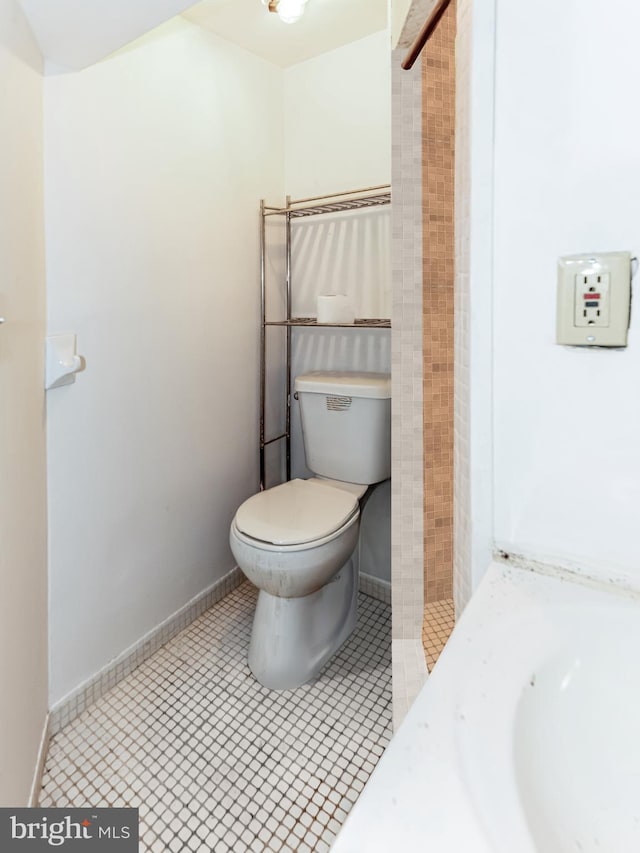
294 209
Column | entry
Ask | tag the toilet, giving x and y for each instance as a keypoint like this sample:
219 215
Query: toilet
297 542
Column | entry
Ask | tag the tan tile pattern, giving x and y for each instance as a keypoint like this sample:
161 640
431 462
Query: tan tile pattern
438 123
439 619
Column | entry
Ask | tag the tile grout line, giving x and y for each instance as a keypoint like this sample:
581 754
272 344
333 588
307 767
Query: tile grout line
86 694
439 621
216 761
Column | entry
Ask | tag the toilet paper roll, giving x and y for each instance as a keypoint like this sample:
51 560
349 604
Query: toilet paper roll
335 308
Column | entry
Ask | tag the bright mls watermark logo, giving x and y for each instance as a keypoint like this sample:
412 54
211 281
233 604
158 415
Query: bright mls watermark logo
26 830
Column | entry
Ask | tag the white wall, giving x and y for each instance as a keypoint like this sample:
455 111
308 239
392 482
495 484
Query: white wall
398 11
23 531
337 119
338 137
567 454
155 161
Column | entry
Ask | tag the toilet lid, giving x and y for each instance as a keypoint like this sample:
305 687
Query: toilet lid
295 512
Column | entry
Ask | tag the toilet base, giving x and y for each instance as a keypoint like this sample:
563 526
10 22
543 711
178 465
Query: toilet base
292 638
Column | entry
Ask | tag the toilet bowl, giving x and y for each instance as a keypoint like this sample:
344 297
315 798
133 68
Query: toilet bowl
307 578
298 542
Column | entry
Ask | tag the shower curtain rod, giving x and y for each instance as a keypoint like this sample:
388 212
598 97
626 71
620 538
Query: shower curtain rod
425 34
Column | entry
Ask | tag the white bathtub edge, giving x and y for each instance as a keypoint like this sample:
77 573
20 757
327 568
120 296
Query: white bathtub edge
419 795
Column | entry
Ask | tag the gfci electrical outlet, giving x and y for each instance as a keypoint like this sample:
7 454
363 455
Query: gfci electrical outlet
594 298
591 302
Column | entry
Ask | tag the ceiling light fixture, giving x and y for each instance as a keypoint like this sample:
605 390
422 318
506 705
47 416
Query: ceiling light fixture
288 11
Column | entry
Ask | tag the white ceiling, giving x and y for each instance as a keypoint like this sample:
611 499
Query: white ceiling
77 33
325 25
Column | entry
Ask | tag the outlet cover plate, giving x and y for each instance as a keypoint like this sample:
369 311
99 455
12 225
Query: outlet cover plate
594 299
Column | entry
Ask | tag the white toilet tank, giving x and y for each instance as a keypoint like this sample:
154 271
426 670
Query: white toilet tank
346 424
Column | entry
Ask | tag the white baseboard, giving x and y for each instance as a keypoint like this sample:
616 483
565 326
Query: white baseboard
375 587
74 703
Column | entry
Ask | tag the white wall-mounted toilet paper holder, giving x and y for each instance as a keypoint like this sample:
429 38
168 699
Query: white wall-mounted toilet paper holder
61 361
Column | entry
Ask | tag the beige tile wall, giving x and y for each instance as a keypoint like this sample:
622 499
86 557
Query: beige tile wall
406 347
438 139
407 513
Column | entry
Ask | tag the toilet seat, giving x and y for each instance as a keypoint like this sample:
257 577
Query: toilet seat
297 513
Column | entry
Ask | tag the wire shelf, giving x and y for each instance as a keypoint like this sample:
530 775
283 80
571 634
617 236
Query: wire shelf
376 200
335 207
367 323
350 200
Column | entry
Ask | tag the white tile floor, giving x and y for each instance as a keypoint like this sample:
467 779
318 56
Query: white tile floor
215 761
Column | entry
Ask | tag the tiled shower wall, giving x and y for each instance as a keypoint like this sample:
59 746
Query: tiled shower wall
473 417
438 139
462 487
472 540
409 667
